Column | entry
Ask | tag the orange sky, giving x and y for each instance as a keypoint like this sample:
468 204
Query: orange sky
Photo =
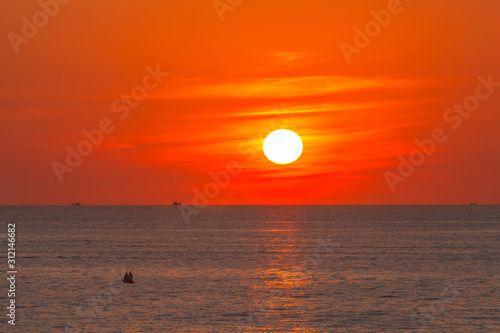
267 65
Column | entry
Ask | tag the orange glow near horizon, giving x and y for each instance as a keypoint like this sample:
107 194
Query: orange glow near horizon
266 66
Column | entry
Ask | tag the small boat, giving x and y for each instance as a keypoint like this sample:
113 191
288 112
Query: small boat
75 204
177 203
128 277
473 203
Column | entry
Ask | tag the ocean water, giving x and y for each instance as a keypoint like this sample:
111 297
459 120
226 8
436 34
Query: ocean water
255 269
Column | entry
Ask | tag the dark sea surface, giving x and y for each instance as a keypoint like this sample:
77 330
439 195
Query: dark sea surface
255 269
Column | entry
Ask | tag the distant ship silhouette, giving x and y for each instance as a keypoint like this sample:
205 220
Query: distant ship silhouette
177 203
75 204
473 203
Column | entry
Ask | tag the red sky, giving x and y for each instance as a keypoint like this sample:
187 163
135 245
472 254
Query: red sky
267 65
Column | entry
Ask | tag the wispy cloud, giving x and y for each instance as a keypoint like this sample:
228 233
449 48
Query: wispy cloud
282 87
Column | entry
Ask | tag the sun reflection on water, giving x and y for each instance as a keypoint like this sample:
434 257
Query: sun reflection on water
280 291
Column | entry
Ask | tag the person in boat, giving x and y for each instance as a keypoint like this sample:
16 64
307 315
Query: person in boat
130 276
126 277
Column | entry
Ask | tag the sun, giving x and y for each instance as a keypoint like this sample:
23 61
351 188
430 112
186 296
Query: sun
283 146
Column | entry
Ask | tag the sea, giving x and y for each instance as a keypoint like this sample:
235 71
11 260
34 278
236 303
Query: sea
253 268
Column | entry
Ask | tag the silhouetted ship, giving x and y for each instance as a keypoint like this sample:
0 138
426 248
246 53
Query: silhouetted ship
177 203
473 203
75 204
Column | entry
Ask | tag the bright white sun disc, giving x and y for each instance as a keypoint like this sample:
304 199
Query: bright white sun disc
283 146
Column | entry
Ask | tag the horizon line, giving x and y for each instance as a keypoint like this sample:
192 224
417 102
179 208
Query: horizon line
404 204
